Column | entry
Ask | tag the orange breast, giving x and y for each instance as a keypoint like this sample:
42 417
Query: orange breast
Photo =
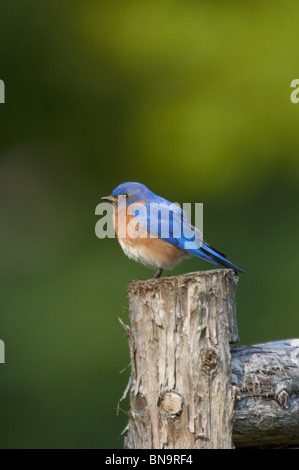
152 252
125 216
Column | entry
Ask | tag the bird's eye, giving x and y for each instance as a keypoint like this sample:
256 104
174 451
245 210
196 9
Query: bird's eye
126 195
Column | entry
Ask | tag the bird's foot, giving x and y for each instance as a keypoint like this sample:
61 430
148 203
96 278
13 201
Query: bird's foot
157 274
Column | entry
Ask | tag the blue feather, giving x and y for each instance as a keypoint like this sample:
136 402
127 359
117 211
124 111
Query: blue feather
170 223
167 220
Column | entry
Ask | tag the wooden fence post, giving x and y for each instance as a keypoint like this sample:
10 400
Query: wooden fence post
181 395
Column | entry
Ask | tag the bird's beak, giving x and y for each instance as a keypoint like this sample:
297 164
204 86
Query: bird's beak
109 198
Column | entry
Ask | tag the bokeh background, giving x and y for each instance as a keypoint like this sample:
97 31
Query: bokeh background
191 99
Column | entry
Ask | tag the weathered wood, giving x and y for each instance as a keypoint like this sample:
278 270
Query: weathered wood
266 380
181 394
182 387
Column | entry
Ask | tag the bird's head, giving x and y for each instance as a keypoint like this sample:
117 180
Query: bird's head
134 192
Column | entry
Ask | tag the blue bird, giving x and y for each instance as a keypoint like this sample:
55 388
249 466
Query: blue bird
155 232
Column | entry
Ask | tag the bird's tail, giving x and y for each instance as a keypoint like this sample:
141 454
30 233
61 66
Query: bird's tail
216 257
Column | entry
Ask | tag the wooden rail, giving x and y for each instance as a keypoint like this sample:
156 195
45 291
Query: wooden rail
189 387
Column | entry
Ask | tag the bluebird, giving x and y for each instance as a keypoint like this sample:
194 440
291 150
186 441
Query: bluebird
162 237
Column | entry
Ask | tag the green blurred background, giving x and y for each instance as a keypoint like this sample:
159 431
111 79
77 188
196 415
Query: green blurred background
191 99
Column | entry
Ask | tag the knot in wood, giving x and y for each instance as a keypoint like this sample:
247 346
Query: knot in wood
282 398
171 404
139 403
209 358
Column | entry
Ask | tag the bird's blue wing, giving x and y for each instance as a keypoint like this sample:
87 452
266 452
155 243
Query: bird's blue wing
169 222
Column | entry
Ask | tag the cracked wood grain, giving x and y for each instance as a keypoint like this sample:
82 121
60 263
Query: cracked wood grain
181 394
266 381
